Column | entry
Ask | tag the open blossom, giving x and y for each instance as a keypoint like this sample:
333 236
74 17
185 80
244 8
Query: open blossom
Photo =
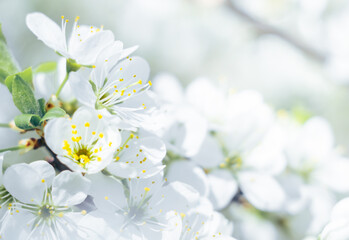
117 84
85 143
84 42
44 202
145 210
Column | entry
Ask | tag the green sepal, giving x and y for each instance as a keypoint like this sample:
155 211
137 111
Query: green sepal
54 113
72 65
27 121
23 96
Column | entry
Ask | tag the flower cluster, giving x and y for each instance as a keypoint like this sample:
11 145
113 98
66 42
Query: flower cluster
104 153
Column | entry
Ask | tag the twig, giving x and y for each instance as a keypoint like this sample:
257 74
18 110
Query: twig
266 28
55 163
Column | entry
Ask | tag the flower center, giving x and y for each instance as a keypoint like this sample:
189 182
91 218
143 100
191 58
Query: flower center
81 154
46 211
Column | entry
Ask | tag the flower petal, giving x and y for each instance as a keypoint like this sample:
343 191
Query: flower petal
47 31
223 188
261 190
24 183
69 188
189 173
108 193
45 171
87 51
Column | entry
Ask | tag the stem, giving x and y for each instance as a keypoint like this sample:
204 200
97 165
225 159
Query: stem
55 163
62 84
12 149
5 125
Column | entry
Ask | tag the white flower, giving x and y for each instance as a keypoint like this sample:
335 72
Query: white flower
43 209
83 45
244 153
311 154
144 210
85 143
118 86
139 156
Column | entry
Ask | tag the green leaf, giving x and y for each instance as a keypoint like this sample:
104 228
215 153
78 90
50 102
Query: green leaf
42 106
2 37
7 63
46 67
55 112
23 97
3 74
26 75
27 121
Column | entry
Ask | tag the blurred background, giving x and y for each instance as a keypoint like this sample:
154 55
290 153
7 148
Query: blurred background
295 52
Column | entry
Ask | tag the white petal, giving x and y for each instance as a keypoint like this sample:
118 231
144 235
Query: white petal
223 188
69 188
261 190
189 173
128 51
87 51
187 133
176 196
210 154
174 229
142 158
81 87
107 193
56 131
218 237
341 210
47 31
106 60
336 230
334 173
24 183
168 88
95 226
45 171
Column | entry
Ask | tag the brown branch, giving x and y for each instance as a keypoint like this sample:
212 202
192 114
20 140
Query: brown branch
55 163
266 28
